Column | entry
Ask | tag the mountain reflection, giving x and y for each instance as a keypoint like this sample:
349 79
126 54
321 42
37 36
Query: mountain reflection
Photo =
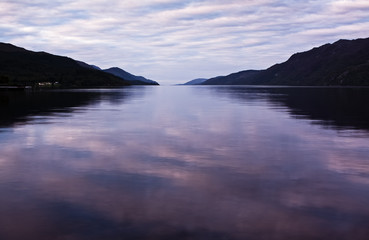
337 108
21 106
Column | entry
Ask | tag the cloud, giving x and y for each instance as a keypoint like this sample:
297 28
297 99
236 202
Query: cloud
347 6
193 38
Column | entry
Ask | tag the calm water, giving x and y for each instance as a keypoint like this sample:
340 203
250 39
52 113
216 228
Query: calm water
185 163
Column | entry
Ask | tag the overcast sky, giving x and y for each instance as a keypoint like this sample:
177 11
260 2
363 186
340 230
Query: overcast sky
174 41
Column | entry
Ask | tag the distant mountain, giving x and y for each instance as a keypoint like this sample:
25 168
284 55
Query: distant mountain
343 63
136 80
233 79
19 66
83 64
196 81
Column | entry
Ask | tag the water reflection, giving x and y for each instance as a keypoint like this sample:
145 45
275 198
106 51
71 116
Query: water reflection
21 106
182 163
337 108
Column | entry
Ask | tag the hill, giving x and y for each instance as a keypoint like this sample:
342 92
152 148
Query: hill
19 66
343 63
196 81
136 80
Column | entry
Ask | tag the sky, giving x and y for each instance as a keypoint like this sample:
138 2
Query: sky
175 41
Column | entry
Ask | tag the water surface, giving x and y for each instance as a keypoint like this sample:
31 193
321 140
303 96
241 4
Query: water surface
196 162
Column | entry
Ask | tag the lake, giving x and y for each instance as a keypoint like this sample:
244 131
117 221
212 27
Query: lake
185 162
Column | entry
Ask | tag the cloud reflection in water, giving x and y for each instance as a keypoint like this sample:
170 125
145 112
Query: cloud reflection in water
183 163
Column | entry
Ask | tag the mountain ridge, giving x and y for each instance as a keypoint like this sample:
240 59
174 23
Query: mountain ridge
118 72
19 67
342 63
196 81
